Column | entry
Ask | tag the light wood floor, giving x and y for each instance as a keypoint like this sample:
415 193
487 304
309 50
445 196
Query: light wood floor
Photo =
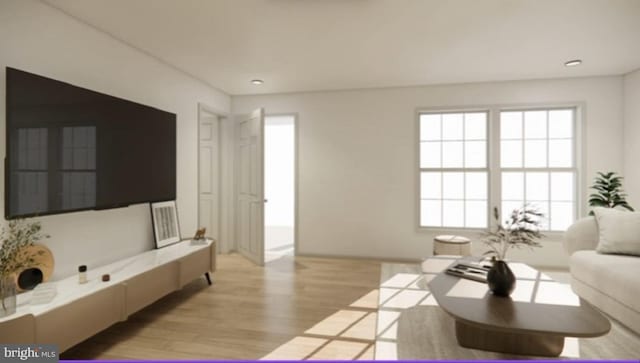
293 307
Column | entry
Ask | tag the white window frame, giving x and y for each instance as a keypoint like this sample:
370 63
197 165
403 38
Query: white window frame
524 170
494 172
462 169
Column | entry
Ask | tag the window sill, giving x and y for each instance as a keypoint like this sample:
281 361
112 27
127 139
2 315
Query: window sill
549 236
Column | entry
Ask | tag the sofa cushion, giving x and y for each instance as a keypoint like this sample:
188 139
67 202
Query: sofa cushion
581 235
619 231
612 275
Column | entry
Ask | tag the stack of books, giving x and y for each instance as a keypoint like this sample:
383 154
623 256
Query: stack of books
476 271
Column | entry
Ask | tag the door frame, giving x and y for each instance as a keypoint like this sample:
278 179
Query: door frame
225 237
295 172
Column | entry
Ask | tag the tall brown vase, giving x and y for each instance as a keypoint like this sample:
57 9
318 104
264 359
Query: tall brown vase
501 279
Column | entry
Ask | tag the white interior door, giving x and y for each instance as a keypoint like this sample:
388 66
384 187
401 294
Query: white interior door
209 174
250 207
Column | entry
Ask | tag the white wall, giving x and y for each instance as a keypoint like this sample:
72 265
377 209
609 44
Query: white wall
40 39
357 158
631 137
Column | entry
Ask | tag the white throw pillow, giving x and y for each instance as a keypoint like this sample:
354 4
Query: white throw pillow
619 231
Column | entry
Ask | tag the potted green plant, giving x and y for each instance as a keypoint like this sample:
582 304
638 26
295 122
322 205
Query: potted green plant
608 192
521 229
15 237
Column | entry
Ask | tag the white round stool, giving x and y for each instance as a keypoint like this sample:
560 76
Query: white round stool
451 245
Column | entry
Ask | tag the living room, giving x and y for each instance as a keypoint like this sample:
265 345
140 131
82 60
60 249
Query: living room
357 77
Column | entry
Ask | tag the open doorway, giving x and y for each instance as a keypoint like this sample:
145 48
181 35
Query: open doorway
279 186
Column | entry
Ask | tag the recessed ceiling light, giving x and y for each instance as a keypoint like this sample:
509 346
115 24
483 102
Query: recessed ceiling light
257 81
573 63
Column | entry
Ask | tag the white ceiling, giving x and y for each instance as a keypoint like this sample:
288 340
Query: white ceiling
307 45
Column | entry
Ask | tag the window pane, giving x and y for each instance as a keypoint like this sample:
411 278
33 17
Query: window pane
560 153
431 213
453 185
512 186
476 186
535 153
452 154
475 126
562 187
431 185
537 186
453 213
476 214
511 125
535 125
561 215
560 124
511 154
430 154
430 127
452 126
548 143
475 154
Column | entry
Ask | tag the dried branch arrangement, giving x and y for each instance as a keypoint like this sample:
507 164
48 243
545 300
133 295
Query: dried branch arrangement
521 229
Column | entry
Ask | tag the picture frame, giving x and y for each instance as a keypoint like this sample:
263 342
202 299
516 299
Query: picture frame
166 229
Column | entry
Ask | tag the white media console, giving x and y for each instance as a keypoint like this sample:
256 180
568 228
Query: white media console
79 311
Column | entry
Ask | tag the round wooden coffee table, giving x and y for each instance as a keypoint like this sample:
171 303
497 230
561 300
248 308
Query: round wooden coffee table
533 321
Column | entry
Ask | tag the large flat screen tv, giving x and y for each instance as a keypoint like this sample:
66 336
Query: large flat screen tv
72 149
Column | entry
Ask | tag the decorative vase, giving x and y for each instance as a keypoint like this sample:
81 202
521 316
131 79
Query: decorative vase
7 295
501 279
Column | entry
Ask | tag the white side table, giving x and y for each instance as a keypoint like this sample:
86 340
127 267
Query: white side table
451 245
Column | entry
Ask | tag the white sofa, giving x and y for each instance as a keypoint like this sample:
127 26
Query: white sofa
609 282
